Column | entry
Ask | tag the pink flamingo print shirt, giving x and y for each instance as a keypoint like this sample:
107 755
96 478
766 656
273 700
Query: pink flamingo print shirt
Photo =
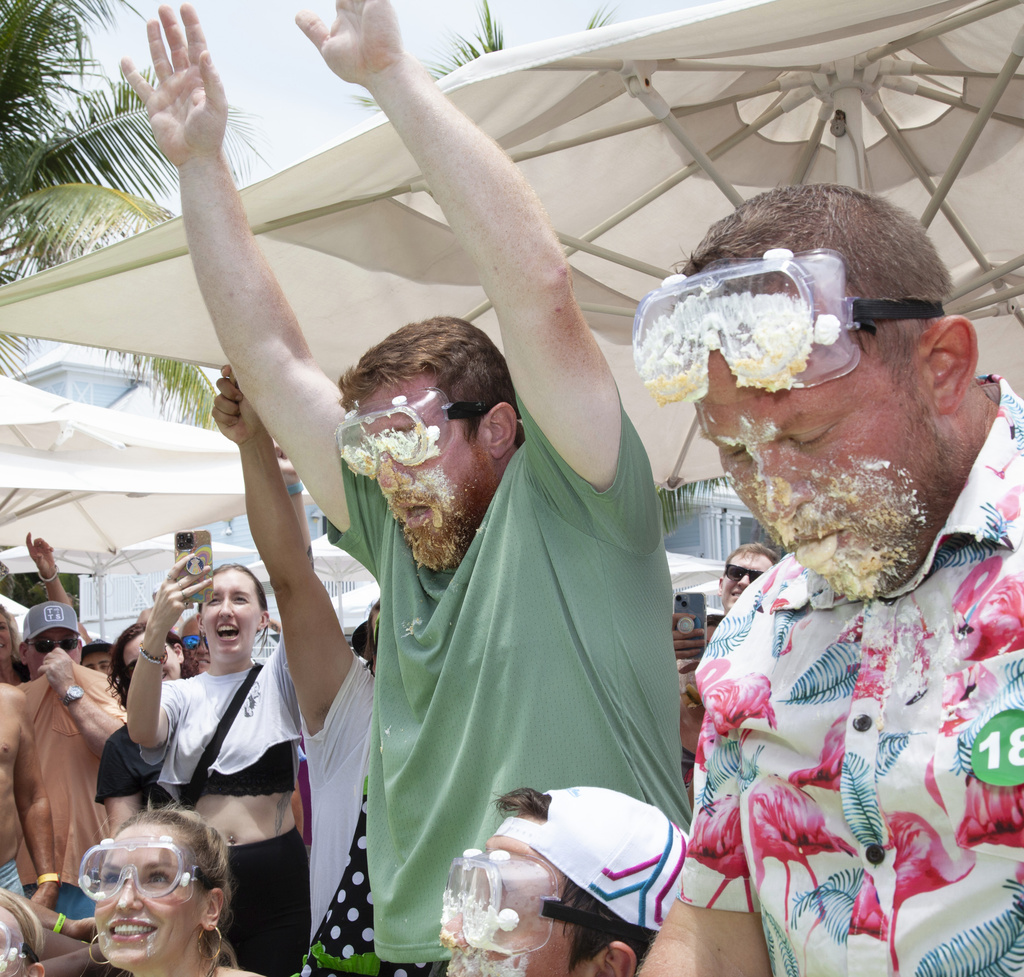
834 788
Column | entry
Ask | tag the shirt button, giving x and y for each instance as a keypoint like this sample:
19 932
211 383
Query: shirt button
875 854
862 723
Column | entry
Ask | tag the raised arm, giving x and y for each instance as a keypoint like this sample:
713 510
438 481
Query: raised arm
147 721
255 324
49 576
556 365
318 655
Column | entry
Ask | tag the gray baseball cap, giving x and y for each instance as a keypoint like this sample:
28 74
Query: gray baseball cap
52 614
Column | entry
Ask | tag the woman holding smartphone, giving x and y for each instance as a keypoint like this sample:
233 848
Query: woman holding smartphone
243 787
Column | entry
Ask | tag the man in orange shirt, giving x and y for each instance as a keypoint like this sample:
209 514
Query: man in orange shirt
72 713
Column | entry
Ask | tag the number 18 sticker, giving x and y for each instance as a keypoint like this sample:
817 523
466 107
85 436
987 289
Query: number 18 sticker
998 752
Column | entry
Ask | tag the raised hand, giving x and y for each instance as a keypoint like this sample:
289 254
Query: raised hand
187 109
41 553
232 413
363 40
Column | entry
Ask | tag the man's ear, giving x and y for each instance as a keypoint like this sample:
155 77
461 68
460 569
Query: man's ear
615 960
497 430
948 351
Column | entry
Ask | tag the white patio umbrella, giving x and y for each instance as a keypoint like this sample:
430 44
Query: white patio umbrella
694 572
636 136
96 480
136 558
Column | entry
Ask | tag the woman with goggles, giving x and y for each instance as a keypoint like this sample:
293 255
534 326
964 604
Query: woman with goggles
21 938
127 783
162 889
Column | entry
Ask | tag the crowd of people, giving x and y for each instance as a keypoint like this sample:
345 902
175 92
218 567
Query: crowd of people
854 721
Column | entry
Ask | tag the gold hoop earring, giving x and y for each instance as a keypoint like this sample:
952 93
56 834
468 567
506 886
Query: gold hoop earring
220 943
95 942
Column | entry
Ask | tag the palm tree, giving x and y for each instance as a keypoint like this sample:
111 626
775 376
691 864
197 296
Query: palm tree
79 167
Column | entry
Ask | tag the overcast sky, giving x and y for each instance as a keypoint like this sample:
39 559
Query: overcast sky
272 72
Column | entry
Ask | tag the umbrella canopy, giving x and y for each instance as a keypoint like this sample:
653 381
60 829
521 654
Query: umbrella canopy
636 136
694 572
329 562
96 480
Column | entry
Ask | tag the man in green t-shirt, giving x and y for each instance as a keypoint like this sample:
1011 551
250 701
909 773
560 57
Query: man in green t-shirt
514 529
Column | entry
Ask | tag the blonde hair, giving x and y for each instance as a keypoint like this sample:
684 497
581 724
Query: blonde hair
12 626
32 932
208 847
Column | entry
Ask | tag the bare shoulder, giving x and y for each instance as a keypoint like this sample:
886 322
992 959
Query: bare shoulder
231 972
12 699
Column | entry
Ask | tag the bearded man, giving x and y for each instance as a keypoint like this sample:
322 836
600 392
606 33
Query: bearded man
858 793
515 532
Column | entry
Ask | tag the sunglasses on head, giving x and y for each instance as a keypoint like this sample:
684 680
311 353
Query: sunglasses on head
737 573
45 645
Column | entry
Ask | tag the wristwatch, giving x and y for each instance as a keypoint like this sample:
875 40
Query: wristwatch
73 694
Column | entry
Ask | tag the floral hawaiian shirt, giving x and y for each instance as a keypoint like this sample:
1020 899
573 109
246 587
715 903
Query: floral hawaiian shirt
836 791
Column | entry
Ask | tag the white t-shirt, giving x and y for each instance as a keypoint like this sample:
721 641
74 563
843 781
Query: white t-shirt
269 715
337 758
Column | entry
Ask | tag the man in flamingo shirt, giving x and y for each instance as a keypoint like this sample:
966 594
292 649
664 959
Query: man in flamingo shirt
859 777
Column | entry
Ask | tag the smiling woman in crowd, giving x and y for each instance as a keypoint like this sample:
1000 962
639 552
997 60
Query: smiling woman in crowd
244 786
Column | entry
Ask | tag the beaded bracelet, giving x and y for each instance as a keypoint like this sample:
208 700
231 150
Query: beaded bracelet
156 661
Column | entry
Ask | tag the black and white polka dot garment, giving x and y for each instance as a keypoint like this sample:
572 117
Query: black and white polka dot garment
345 935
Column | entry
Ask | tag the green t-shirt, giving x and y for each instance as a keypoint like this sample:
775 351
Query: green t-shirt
545 660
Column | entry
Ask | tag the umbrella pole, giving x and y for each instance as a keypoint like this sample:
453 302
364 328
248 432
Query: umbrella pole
101 601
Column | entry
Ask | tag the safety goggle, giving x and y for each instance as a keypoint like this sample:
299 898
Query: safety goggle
45 645
508 903
156 868
780 322
409 431
13 951
736 573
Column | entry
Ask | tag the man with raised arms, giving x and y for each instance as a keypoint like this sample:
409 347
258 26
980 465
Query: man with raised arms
514 531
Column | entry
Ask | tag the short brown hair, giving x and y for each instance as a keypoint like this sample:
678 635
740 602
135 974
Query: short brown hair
584 943
463 360
887 251
753 549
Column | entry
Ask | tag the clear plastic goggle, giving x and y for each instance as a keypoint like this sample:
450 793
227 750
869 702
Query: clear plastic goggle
156 868
781 322
496 898
13 951
409 430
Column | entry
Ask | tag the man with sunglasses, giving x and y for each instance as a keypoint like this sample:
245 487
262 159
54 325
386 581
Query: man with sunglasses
858 784
514 530
73 713
744 565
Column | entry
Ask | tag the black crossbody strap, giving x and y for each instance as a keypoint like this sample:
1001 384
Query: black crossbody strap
191 791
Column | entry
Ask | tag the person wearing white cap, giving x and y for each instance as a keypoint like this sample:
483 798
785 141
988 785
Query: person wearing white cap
72 714
601 864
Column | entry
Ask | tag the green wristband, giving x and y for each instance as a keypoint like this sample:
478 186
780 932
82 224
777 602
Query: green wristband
59 925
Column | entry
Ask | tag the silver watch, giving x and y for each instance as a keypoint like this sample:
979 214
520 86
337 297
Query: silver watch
73 694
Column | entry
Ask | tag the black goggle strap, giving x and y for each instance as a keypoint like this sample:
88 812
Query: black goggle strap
29 954
465 408
866 311
555 909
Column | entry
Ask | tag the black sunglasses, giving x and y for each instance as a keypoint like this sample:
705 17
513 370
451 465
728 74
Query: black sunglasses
737 573
45 645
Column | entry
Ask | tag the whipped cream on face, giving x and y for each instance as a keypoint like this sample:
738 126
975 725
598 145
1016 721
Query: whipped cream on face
399 444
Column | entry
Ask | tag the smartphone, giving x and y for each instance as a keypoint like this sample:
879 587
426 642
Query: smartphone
196 543
693 607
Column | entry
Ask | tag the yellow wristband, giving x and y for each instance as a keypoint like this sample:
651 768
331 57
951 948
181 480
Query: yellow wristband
48 877
59 925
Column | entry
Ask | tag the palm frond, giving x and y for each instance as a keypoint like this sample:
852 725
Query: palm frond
680 503
602 16
183 388
59 223
12 352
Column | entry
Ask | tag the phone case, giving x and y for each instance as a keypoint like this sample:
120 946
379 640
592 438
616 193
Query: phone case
694 607
202 550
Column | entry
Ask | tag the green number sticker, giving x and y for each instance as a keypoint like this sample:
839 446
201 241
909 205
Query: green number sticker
998 752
